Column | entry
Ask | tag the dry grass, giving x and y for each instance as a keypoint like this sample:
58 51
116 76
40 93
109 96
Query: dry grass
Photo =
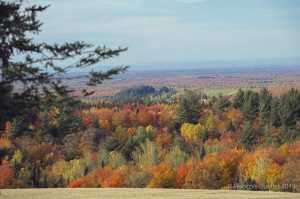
137 194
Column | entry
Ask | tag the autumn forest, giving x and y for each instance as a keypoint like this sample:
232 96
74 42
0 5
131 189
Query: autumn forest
248 141
222 128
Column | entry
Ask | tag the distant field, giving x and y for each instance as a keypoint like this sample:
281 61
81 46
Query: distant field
211 80
216 92
137 193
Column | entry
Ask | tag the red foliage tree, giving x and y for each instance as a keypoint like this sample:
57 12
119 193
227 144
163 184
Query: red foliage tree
145 118
75 183
87 121
6 177
181 174
4 142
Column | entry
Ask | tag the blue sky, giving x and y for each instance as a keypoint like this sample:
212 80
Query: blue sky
177 30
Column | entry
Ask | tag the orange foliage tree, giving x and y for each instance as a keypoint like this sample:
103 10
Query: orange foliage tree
291 175
4 142
203 174
163 177
115 180
273 174
164 141
101 174
83 182
247 163
228 162
75 183
44 154
237 117
145 118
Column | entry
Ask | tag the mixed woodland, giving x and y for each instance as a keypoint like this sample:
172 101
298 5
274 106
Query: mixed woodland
249 140
169 134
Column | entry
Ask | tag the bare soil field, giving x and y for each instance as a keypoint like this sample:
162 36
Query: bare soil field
90 193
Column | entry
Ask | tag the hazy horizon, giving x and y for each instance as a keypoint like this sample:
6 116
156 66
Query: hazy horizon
203 64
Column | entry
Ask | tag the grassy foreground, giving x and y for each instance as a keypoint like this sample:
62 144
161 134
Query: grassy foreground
90 193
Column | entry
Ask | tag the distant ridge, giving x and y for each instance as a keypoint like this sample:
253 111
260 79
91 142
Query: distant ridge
202 64
175 65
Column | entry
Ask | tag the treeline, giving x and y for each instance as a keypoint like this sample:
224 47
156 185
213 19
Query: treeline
193 143
262 109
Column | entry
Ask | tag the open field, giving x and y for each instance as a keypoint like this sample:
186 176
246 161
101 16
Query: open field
137 193
216 92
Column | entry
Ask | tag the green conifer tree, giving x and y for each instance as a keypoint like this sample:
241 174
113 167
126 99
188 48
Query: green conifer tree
95 123
275 112
289 108
265 99
41 73
238 100
247 136
189 106
221 104
250 106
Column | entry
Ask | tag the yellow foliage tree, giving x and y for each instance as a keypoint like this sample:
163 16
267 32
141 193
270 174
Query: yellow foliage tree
149 128
211 123
237 117
17 158
260 169
74 169
118 119
56 172
273 174
193 132
121 133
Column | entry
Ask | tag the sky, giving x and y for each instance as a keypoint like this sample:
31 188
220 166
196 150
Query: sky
177 30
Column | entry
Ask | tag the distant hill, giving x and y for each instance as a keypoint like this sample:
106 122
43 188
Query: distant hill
175 65
202 64
136 93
